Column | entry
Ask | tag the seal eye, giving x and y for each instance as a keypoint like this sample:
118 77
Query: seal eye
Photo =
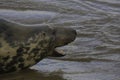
43 34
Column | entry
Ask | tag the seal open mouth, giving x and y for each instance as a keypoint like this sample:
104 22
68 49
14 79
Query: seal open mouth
63 37
58 53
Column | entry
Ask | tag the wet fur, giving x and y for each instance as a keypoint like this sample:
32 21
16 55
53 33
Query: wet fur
22 47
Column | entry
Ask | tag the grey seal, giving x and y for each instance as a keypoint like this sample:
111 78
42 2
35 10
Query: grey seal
22 46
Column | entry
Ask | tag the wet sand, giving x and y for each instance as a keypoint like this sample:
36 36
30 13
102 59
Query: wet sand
32 75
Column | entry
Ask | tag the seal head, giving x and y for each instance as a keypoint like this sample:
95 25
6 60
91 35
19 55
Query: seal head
22 46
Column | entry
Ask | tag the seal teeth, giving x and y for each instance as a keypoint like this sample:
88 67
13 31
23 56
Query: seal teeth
57 53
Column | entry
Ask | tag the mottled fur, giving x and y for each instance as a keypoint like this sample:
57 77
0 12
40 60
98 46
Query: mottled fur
22 46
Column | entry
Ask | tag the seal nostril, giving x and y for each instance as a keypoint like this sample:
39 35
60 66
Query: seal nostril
54 32
71 35
75 32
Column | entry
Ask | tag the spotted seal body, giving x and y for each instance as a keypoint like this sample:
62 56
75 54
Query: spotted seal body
22 46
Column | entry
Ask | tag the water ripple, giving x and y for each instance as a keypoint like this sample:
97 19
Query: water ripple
95 54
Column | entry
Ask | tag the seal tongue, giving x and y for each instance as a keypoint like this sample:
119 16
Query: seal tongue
57 54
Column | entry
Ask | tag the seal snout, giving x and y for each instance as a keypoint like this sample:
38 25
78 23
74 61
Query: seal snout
64 36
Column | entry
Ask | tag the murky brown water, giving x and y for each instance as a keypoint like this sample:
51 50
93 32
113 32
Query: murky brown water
94 55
